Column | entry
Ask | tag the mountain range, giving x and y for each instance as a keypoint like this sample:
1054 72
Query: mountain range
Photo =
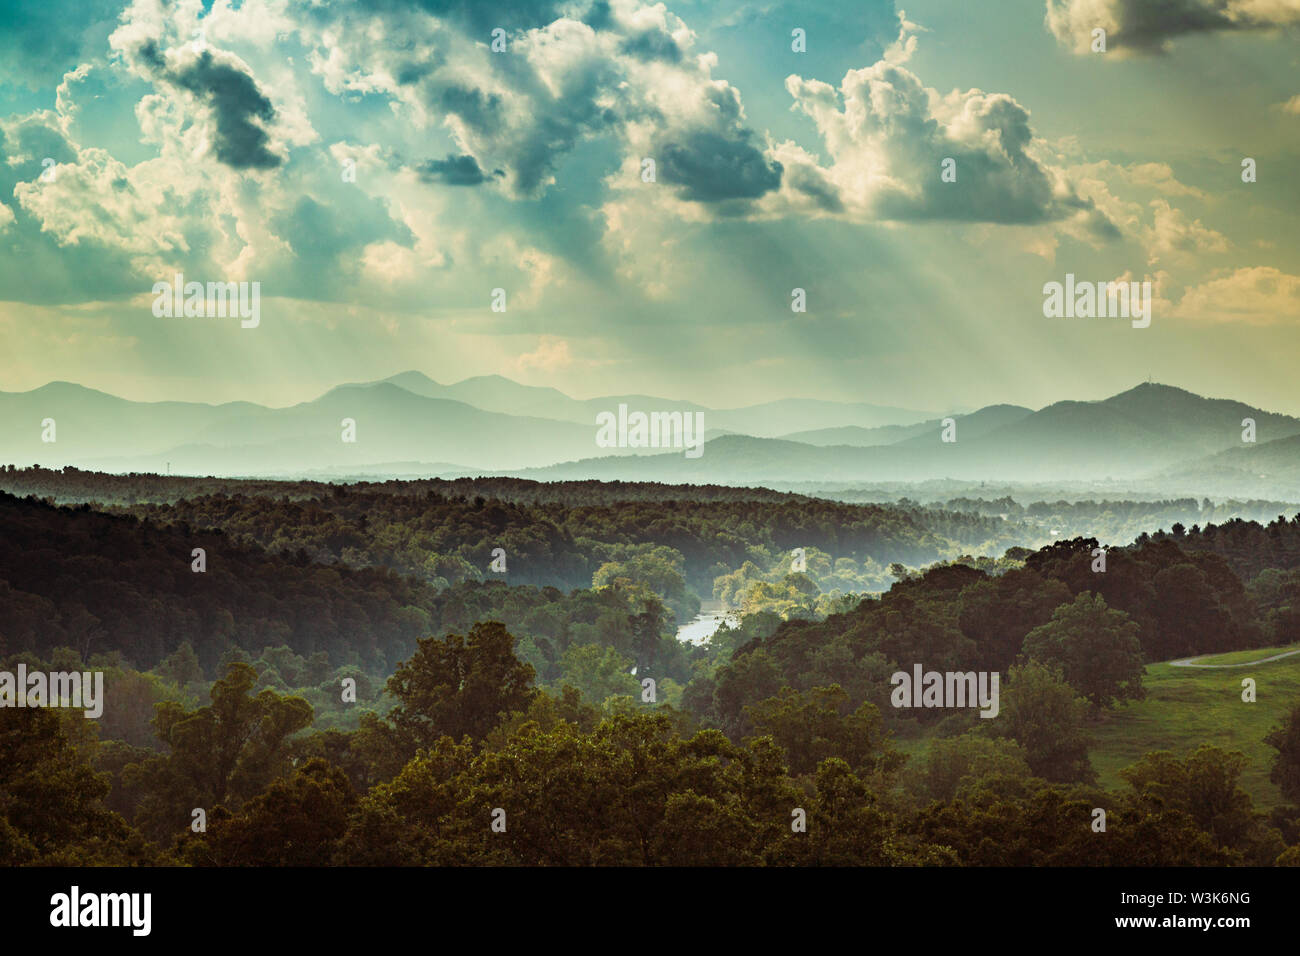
410 425
494 393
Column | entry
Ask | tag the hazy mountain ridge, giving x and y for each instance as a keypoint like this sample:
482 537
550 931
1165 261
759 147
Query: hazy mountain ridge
1136 434
1143 433
1266 468
392 424
408 419
499 394
969 425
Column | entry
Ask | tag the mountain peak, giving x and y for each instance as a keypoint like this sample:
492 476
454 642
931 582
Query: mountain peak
412 377
1155 388
61 389
504 388
1155 395
495 379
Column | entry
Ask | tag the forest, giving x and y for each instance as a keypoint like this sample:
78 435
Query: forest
319 694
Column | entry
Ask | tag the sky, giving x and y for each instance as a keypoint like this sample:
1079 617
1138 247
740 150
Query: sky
647 185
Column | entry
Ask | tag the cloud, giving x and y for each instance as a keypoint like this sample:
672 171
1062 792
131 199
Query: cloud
183 209
221 86
524 271
551 355
652 45
1149 27
390 263
327 240
1173 234
583 93
27 141
207 95
481 18
1258 295
711 165
460 170
888 137
240 111
1146 176
622 70
903 48
1166 231
883 137
97 199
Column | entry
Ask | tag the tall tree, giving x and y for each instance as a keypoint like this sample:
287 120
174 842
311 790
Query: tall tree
1045 715
459 686
1097 649
223 753
1286 765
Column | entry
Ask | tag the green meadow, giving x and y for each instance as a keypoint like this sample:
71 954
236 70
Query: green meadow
1186 707
1189 706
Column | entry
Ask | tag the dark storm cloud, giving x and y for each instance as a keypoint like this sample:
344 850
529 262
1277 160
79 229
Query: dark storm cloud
237 104
711 167
1147 26
480 111
653 45
815 187
531 135
454 171
720 162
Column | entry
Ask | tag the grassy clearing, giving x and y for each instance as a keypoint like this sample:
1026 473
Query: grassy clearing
1184 708
1189 706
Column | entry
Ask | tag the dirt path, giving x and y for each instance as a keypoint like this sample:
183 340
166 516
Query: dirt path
1262 660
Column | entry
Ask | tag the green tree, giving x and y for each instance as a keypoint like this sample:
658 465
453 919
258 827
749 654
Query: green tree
820 723
598 673
52 810
295 822
1206 786
223 753
181 667
1045 715
957 763
846 824
415 818
1097 649
659 569
999 612
1286 765
458 686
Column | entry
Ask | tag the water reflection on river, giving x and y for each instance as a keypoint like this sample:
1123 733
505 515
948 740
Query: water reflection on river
702 626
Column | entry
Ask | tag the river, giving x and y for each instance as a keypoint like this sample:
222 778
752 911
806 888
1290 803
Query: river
701 627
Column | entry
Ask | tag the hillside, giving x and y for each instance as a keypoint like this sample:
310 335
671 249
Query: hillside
1130 436
413 426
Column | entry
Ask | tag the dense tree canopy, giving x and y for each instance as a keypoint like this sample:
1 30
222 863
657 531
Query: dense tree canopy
503 720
